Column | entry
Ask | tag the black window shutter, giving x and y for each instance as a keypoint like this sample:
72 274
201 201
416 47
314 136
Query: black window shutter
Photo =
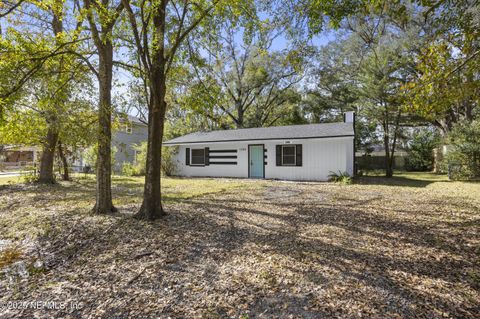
207 156
187 156
278 153
299 154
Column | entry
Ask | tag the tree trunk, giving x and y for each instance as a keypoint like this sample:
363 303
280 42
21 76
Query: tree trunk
63 158
240 114
152 198
386 145
103 198
151 208
391 157
48 156
388 161
48 151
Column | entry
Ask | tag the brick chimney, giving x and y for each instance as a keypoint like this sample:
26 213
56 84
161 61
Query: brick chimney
349 117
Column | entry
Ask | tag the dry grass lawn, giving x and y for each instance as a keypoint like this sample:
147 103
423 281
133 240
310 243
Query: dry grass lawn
405 247
7 180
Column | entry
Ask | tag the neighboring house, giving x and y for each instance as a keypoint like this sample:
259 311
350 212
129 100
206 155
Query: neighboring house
297 152
131 132
17 156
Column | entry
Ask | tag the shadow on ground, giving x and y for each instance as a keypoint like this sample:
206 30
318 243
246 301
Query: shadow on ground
395 181
394 253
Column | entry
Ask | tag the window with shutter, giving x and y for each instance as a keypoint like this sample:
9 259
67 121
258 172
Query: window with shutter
278 155
299 154
198 156
289 155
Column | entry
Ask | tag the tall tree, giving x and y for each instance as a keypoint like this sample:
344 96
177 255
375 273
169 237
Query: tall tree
446 89
165 25
44 71
102 17
50 143
368 70
385 69
240 80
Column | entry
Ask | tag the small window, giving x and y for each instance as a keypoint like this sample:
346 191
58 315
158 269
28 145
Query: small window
198 156
288 155
128 128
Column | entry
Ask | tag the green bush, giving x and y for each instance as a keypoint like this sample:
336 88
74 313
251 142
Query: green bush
128 169
141 158
340 177
29 175
167 165
168 162
420 151
463 156
90 155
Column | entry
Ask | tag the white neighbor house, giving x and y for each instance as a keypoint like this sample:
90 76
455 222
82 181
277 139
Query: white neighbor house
297 152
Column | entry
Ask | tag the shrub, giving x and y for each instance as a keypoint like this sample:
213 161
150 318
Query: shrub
128 169
340 177
168 162
141 158
90 155
167 165
463 156
29 175
420 151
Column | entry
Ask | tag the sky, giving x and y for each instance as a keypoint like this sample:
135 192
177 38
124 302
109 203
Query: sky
122 77
279 44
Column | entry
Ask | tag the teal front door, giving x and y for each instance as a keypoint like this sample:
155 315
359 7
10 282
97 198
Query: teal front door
255 161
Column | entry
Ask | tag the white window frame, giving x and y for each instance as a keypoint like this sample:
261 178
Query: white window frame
191 156
294 155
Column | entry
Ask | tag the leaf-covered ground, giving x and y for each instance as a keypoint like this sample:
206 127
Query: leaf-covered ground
407 247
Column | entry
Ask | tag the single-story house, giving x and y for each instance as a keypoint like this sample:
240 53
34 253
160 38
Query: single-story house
296 152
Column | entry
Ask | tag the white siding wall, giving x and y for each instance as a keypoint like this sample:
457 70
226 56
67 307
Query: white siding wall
212 170
320 157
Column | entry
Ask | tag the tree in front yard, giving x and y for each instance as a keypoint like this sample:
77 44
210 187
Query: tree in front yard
238 79
102 16
44 84
159 28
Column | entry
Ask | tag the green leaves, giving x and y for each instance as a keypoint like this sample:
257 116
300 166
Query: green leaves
464 149
420 150
447 78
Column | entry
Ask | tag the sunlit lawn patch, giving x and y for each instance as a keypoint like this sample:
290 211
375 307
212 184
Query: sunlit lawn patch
7 180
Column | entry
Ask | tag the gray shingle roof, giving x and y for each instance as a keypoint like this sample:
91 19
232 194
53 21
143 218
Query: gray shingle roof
267 133
136 120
